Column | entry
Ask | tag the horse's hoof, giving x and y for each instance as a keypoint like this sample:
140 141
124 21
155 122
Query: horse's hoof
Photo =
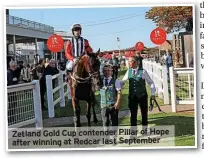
95 120
78 124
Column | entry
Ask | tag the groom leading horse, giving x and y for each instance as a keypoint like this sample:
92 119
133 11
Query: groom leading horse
85 73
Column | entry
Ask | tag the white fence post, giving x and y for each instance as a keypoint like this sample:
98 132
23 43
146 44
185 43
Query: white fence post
37 104
61 91
160 82
51 109
173 89
165 85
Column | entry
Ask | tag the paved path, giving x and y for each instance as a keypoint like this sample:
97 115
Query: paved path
50 122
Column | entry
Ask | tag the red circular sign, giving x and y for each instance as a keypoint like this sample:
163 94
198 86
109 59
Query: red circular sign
55 43
158 36
139 46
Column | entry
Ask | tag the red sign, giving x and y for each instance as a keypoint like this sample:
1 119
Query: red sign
139 46
158 36
55 43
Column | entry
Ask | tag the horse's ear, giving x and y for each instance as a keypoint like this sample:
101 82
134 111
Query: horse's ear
98 51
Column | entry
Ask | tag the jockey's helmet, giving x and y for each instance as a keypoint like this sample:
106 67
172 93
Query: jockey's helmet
76 27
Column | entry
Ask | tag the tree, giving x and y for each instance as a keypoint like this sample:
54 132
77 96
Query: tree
173 18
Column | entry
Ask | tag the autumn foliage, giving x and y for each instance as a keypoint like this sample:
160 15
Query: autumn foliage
173 18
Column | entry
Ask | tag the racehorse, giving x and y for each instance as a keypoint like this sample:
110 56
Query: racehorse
84 82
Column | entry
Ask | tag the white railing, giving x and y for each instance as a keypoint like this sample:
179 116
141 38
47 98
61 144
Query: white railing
24 105
52 92
182 86
158 74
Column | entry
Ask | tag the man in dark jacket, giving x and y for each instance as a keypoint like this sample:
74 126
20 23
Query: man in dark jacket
12 98
139 59
11 75
51 69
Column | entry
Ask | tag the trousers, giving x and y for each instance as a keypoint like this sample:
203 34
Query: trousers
109 116
133 103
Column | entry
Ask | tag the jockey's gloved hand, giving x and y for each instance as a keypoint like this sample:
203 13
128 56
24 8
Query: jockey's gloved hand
152 97
69 65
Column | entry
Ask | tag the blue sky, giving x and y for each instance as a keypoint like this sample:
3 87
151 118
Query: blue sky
101 26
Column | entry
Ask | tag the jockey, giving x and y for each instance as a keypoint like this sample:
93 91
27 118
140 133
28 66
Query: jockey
76 47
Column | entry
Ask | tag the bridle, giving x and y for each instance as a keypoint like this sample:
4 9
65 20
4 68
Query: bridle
84 80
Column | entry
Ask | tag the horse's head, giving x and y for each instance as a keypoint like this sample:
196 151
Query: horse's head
94 65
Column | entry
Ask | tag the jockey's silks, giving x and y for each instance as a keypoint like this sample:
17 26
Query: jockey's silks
77 47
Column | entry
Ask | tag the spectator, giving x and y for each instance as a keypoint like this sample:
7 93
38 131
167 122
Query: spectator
25 73
38 71
11 75
46 62
157 58
17 72
164 58
12 98
33 73
139 59
51 69
114 62
169 62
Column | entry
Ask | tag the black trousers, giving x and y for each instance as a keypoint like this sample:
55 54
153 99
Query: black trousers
110 115
42 94
133 106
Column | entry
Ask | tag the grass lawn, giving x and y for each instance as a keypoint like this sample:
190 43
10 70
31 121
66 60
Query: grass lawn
184 125
183 122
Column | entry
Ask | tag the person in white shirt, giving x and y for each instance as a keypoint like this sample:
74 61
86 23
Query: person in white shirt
110 97
137 91
25 73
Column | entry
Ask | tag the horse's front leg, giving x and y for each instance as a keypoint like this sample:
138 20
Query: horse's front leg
77 111
88 115
95 120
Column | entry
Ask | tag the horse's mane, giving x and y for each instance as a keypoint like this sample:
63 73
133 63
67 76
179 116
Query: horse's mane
80 70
